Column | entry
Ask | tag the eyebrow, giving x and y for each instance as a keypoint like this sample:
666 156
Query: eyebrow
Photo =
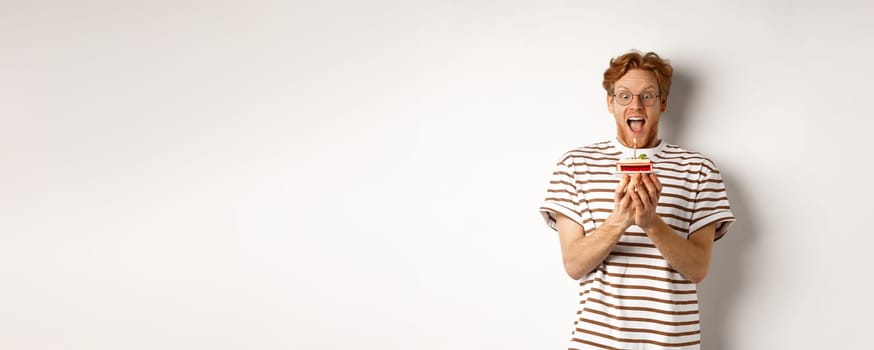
627 88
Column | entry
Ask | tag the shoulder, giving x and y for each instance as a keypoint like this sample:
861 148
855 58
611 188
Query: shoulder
684 156
593 152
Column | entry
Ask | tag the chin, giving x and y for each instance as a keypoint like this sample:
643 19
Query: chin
643 140
640 138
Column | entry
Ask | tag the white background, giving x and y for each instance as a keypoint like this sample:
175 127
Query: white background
351 174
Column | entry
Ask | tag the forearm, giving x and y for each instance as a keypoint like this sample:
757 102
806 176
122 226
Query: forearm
584 253
689 258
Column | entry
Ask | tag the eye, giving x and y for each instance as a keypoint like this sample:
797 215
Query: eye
624 95
648 96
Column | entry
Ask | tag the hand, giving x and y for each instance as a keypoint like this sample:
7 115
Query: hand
644 190
623 210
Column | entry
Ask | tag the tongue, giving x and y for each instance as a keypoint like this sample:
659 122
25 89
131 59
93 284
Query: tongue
636 125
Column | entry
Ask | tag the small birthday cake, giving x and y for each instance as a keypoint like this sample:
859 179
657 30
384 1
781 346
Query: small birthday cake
639 165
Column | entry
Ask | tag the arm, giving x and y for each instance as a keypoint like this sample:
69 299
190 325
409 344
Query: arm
690 257
582 253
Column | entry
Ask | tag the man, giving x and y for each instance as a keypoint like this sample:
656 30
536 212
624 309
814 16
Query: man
638 243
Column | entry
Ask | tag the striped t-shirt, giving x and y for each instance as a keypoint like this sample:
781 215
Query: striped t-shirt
634 299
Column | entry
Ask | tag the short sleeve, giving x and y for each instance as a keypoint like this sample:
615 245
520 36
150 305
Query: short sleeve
711 202
564 197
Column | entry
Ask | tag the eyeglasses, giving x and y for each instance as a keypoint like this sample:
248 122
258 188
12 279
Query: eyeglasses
623 98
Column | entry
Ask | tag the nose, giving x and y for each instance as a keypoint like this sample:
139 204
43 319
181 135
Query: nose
636 102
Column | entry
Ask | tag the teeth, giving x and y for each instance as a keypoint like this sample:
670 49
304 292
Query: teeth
635 123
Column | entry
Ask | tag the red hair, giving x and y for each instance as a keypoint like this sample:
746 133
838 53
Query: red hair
649 61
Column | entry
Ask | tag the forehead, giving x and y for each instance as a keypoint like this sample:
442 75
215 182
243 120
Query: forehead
638 79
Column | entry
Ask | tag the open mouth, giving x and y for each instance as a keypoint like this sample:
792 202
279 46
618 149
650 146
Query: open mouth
635 123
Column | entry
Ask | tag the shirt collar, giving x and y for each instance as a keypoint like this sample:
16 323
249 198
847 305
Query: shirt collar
628 152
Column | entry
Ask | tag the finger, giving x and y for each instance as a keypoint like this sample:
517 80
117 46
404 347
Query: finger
656 193
620 190
646 181
633 187
623 183
634 191
623 206
633 182
625 201
619 196
655 180
651 189
636 203
643 194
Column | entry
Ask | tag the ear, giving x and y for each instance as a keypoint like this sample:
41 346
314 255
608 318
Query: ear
664 104
610 103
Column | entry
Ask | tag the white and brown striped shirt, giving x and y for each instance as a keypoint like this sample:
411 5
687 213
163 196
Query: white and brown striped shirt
634 299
